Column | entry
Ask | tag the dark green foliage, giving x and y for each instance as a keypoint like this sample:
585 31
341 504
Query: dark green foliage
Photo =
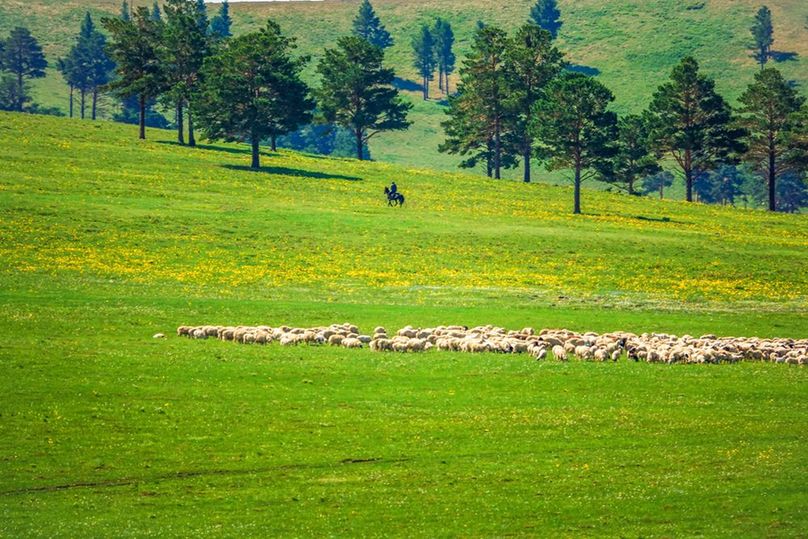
444 44
531 62
424 57
185 46
129 113
656 183
87 66
136 50
574 129
253 90
368 26
10 96
480 114
546 14
357 93
126 13
721 186
634 158
763 35
156 11
776 132
22 57
792 192
323 139
691 122
220 25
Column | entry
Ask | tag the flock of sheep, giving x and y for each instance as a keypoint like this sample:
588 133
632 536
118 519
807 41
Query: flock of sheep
561 344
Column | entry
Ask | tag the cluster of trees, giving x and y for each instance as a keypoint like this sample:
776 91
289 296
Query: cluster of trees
517 100
248 88
21 59
432 50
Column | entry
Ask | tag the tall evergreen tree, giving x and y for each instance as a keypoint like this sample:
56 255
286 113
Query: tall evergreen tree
22 57
156 11
546 14
357 93
692 123
574 129
186 45
634 157
252 87
769 112
763 35
481 115
66 69
136 50
87 67
220 25
424 57
444 44
126 13
531 62
367 25
656 183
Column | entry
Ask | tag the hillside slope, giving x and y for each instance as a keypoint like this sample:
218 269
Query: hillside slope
84 202
632 44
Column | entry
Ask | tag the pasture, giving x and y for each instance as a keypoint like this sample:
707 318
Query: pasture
106 240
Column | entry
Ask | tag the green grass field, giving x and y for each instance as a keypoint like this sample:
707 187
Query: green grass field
105 431
632 43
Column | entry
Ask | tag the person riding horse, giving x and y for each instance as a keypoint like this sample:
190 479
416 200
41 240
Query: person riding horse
394 198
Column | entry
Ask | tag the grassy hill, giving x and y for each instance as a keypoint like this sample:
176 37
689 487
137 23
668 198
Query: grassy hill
107 240
632 44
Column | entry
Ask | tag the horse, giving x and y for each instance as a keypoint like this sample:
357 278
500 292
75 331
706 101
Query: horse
393 199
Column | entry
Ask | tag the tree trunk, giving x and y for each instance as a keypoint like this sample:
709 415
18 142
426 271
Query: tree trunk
528 148
273 140
772 181
95 102
359 144
82 94
661 190
440 78
489 169
19 90
689 175
191 136
180 123
497 151
426 88
71 100
630 186
256 153
142 116
577 200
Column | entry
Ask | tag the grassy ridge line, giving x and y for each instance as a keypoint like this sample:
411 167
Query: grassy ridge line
168 218
633 44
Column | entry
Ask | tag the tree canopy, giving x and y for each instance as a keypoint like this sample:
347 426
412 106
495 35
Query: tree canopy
22 57
367 25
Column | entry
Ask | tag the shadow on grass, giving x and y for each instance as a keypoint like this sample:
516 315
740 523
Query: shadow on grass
408 85
780 56
586 70
216 148
283 171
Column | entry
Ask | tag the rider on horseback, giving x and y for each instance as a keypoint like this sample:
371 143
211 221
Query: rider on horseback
393 188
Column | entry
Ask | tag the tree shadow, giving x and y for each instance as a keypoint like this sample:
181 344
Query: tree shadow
781 56
214 147
407 85
284 171
586 70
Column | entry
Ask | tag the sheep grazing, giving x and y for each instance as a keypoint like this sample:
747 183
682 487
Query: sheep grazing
564 344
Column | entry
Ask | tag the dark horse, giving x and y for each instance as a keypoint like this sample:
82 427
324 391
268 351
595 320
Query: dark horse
393 199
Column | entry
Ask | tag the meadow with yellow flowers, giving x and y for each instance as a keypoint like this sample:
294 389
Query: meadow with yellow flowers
106 240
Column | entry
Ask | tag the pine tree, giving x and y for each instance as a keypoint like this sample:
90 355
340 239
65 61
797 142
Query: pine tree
574 129
656 183
763 35
22 57
136 51
692 123
531 62
770 113
220 24
87 67
126 13
357 93
546 14
444 43
186 45
253 88
634 157
368 26
424 57
156 12
481 115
